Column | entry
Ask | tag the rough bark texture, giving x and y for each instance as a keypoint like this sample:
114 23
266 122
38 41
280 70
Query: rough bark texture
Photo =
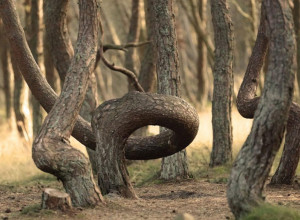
62 52
223 84
129 113
247 102
164 36
54 199
255 159
35 39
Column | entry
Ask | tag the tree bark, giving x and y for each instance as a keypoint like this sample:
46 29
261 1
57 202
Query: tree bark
247 102
223 84
36 45
62 52
129 113
253 163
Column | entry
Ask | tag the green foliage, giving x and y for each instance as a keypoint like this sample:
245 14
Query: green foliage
35 210
271 212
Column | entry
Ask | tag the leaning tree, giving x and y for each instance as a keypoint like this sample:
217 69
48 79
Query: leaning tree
247 102
254 161
113 121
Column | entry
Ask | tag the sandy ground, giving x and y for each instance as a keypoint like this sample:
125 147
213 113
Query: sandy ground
201 199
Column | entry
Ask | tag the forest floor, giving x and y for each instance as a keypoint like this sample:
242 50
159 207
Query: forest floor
203 195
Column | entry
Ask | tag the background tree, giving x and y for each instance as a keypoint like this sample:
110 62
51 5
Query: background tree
223 84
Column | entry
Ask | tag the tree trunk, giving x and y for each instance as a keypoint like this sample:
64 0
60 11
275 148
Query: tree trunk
22 120
129 113
202 58
133 36
223 84
253 163
36 46
164 37
296 15
6 71
62 52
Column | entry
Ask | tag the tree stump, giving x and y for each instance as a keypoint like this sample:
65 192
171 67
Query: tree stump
54 199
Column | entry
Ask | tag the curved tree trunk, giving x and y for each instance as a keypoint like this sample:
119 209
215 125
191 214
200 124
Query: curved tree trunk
51 151
253 163
223 84
36 45
247 102
61 48
129 113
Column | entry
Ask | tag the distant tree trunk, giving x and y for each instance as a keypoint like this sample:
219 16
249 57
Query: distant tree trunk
147 75
253 163
129 113
19 101
202 58
164 35
296 15
62 52
223 84
51 74
6 71
133 36
36 46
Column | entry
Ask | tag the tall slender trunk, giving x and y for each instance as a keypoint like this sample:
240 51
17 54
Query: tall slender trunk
133 36
254 161
223 84
164 36
6 71
36 46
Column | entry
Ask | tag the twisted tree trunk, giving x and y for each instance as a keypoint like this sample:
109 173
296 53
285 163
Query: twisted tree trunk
61 48
247 102
223 84
129 113
253 163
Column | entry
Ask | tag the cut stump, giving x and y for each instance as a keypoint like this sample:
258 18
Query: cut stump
54 199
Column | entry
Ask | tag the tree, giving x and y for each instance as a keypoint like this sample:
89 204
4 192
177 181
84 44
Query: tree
35 40
254 161
133 111
223 84
164 36
62 51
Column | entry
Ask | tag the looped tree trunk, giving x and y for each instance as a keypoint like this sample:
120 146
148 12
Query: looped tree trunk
115 120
